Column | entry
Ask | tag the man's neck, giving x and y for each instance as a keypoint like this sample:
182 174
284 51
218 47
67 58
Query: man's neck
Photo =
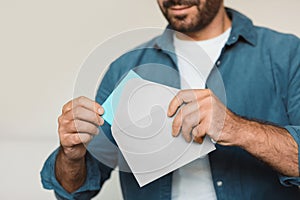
219 25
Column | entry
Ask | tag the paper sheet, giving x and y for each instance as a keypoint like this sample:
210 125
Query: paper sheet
142 131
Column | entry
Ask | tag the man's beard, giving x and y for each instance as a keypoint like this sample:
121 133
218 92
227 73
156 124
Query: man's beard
191 23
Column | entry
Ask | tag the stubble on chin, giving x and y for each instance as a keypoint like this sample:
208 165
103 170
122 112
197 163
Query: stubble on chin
186 22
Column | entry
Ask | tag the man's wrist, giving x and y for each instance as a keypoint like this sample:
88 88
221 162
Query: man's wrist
64 158
248 133
70 173
234 132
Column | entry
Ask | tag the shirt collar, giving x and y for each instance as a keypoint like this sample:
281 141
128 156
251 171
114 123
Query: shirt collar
242 28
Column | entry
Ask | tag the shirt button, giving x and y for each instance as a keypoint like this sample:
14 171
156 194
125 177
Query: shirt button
219 183
218 63
233 38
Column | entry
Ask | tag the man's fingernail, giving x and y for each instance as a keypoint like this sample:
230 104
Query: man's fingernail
102 121
194 134
174 133
100 111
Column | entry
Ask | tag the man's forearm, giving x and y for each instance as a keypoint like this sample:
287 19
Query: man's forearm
271 144
69 173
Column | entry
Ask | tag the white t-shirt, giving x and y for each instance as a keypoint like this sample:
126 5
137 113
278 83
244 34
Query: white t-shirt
194 180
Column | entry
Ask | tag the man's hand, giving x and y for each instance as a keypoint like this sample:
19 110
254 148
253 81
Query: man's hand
200 112
78 124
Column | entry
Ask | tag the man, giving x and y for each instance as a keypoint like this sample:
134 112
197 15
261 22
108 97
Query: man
254 159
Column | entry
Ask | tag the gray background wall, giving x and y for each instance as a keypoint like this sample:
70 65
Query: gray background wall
42 45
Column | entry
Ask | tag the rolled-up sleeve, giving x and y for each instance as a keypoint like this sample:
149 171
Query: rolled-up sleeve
89 189
285 180
293 107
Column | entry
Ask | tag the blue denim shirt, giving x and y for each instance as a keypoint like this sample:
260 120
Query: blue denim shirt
261 73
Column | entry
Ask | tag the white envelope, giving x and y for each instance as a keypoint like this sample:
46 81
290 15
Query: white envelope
142 131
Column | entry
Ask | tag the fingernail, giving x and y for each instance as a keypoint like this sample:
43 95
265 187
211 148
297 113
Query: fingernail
168 114
102 122
174 133
194 134
100 111
188 140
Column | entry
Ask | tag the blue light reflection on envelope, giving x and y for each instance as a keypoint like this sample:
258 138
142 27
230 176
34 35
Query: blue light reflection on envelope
111 103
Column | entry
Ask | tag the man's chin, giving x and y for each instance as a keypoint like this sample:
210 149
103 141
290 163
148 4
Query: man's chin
182 24
183 28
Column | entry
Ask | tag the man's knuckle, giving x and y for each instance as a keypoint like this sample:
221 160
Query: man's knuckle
187 120
76 112
60 127
94 129
81 100
61 131
62 141
75 139
78 125
64 126
96 118
60 119
179 95
65 107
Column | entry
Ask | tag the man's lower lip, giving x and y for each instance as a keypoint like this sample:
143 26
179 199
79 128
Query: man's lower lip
179 9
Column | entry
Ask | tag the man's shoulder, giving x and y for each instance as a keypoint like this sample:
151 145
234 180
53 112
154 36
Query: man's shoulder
276 38
282 49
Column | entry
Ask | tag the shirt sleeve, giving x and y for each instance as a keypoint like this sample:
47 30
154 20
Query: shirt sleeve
293 107
290 181
89 189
